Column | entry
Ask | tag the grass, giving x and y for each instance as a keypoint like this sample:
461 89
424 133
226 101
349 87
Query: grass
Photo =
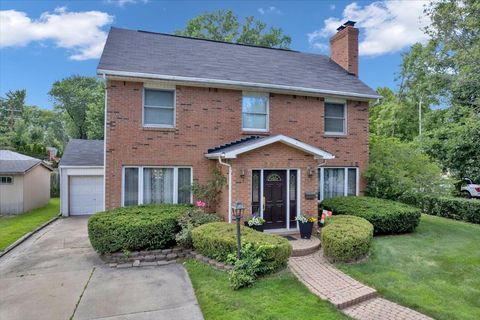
14 227
279 296
435 270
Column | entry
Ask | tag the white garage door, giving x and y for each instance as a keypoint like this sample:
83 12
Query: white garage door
86 195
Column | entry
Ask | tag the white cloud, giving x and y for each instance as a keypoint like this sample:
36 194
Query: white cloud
268 10
80 32
385 26
121 3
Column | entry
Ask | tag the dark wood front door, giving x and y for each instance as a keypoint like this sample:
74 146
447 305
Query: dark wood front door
275 198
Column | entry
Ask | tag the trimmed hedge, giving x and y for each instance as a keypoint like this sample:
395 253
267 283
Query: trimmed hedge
218 239
346 238
135 228
386 216
447 207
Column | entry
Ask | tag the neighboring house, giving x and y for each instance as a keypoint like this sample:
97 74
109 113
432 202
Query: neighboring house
283 126
24 183
81 177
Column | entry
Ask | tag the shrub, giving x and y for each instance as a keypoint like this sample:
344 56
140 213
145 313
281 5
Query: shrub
218 239
247 269
189 220
135 228
386 216
346 238
448 207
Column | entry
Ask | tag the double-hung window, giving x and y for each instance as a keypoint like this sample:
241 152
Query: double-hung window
335 118
159 108
147 185
255 112
338 182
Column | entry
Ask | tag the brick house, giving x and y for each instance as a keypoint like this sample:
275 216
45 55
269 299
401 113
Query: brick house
285 128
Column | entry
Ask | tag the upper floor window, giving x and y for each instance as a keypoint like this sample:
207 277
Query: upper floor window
255 112
6 180
159 108
335 118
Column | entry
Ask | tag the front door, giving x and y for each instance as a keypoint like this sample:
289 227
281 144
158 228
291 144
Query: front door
275 198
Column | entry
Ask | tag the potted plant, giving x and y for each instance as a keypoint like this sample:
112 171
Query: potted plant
306 221
255 222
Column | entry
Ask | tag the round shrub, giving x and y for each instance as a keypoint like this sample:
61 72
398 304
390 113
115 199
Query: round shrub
218 239
135 228
386 216
346 238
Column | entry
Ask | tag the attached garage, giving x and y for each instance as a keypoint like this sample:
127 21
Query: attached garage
82 178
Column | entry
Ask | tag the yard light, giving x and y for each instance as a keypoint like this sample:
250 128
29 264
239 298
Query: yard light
238 210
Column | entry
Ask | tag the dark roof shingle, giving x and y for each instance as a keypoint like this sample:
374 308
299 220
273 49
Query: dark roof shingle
174 56
83 153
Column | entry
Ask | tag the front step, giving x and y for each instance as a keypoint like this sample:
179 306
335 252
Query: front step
303 247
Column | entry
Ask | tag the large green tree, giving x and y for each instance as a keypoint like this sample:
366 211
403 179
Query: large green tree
225 26
81 99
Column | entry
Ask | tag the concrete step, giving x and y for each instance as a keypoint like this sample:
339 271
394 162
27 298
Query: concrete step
303 247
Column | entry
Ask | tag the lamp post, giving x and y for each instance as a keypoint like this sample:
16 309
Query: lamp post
238 210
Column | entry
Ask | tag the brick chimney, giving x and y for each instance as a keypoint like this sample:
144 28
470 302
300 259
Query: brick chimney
344 47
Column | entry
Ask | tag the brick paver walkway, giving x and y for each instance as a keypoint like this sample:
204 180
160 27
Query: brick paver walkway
354 298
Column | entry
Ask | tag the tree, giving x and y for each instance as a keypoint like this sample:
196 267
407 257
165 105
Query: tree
446 70
397 167
74 96
11 109
224 26
95 115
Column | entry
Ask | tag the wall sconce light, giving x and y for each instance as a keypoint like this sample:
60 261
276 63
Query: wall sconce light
242 172
310 172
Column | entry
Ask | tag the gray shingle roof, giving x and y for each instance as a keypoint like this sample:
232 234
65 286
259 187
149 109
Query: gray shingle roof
15 163
167 56
83 153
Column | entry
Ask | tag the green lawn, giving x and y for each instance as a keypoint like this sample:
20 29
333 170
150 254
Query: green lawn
435 270
14 227
279 296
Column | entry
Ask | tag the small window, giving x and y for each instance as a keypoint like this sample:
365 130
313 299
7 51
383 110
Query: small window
335 118
255 112
6 180
159 108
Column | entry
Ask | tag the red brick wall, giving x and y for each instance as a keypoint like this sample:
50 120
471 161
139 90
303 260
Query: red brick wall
207 117
344 49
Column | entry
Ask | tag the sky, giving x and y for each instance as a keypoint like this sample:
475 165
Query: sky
45 41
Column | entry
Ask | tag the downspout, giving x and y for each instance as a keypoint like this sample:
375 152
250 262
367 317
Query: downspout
105 146
229 187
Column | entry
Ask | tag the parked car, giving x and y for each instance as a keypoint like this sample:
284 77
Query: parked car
469 189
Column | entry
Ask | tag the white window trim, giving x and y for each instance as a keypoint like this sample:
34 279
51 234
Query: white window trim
140 181
160 107
345 117
345 180
6 183
257 94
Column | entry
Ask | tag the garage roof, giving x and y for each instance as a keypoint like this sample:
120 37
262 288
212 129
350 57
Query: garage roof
15 163
83 153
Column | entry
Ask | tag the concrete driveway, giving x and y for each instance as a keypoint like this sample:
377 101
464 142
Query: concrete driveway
56 275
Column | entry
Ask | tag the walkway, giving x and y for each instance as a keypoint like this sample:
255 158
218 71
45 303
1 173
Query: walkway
352 297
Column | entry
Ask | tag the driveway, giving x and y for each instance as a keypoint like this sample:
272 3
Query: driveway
57 275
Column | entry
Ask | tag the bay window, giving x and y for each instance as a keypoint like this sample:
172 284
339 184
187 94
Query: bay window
150 185
337 182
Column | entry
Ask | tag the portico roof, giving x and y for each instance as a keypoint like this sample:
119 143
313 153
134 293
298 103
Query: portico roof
235 148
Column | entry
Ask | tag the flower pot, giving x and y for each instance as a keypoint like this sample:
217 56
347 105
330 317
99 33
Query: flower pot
306 230
259 228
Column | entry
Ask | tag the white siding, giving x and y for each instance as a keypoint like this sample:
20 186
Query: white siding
11 196
65 173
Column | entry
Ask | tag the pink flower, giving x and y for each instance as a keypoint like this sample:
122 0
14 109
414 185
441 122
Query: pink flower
200 203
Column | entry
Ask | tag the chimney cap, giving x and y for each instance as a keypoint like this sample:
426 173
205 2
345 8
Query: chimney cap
341 28
349 23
